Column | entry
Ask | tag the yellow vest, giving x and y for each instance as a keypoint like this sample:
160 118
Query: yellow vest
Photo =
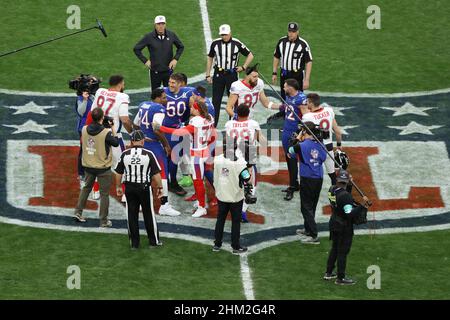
94 150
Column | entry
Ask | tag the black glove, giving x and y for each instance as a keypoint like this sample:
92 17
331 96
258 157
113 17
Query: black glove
276 116
293 139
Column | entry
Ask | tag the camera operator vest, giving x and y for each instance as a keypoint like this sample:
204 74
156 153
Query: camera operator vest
339 198
94 150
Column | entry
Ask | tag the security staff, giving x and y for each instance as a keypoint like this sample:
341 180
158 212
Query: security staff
345 213
311 156
225 52
230 176
160 43
139 168
97 161
295 56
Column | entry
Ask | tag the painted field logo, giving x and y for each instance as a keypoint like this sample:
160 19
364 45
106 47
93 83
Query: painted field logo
398 146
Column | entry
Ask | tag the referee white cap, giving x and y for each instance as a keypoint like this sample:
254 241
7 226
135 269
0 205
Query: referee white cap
160 19
224 29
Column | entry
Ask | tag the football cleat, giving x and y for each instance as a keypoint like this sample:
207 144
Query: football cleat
199 212
167 210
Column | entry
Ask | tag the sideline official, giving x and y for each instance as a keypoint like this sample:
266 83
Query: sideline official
97 161
224 52
294 57
345 213
139 168
311 156
230 177
160 43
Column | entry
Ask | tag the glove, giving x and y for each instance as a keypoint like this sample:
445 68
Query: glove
275 116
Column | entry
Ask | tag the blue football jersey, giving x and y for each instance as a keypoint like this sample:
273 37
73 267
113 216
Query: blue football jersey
147 110
290 120
177 107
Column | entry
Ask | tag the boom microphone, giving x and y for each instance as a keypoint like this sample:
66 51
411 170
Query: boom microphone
100 26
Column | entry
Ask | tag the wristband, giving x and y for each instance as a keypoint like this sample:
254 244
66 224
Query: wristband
274 73
207 77
338 144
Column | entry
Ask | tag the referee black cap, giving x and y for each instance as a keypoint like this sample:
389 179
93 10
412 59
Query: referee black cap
137 135
343 176
293 26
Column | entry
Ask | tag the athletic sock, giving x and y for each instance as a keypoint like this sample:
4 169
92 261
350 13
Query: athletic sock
200 192
96 186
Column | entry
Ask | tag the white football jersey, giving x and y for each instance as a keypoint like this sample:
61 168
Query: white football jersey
324 118
202 133
114 104
242 130
246 94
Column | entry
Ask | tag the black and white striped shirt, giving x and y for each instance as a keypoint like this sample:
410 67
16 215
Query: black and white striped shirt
138 165
293 55
226 54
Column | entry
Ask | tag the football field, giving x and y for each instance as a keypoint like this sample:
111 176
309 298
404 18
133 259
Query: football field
390 88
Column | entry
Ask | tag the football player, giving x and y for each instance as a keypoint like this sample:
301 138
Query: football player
156 142
324 117
247 92
115 105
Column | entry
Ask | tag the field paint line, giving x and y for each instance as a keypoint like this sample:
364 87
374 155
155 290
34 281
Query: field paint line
205 22
246 277
201 77
371 232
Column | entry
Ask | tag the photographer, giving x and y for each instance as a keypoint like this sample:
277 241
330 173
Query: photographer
97 161
311 156
232 185
86 87
346 212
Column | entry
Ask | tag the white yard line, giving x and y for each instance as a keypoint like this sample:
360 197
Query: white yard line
205 21
246 277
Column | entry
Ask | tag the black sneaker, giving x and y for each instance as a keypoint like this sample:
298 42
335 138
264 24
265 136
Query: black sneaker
79 218
216 248
310 240
153 246
345 282
329 276
289 194
240 250
177 189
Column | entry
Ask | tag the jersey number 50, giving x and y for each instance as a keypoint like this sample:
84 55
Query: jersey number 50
175 109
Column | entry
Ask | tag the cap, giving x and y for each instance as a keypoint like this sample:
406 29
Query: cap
160 19
198 93
343 176
137 135
224 29
293 26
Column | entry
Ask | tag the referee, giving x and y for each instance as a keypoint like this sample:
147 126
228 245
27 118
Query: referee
224 51
139 168
294 57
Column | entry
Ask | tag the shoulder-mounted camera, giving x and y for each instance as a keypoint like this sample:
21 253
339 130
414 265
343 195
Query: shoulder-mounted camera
85 82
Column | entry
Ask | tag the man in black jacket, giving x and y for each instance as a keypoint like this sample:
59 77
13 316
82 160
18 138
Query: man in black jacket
345 212
97 160
160 44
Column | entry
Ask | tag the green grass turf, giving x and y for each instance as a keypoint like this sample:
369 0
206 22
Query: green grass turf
49 67
409 53
413 266
34 264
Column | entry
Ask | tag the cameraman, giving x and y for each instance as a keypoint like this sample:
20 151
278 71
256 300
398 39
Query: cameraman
86 87
346 212
97 160
230 176
311 156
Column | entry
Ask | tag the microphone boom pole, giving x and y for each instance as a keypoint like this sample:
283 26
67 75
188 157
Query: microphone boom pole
97 26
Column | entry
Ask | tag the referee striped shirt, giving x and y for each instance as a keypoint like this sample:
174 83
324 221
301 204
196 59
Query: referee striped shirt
293 55
138 165
226 54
